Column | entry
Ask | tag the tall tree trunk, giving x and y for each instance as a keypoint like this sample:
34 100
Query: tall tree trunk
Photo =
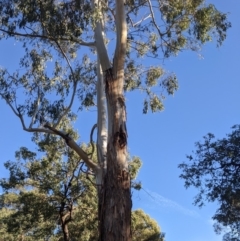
115 195
115 198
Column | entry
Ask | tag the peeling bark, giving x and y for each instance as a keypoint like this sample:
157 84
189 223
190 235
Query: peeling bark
115 199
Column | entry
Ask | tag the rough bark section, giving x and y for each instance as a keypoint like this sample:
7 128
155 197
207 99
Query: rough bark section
115 198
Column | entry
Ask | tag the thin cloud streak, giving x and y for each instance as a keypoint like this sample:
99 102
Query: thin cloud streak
167 203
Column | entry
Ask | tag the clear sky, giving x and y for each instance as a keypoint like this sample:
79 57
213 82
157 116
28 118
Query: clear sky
207 101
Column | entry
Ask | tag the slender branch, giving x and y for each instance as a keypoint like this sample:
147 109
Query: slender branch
19 115
91 140
79 170
74 86
71 38
140 21
153 18
156 26
73 173
72 144
9 103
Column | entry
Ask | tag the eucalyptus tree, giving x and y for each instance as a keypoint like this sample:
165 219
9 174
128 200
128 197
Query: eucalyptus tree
89 47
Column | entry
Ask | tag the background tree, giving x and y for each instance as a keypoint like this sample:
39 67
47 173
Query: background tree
56 33
48 197
214 171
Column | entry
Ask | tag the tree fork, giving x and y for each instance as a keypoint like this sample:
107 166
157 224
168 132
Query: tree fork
115 197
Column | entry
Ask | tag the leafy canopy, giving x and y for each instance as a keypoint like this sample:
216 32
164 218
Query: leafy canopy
55 36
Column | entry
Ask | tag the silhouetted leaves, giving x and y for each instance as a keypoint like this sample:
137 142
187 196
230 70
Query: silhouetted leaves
214 170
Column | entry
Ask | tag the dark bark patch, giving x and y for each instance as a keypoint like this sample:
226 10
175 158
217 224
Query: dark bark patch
108 78
120 138
121 101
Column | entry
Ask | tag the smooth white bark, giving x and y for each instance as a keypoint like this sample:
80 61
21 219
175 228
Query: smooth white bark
99 40
102 126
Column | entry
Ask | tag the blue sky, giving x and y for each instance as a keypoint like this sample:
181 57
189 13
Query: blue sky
207 101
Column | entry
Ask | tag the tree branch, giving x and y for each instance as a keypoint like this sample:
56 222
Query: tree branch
140 21
153 18
72 144
71 38
9 103
91 140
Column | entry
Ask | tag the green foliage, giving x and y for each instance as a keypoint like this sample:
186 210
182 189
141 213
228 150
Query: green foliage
145 228
135 165
55 70
153 74
191 23
52 33
214 171
43 187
